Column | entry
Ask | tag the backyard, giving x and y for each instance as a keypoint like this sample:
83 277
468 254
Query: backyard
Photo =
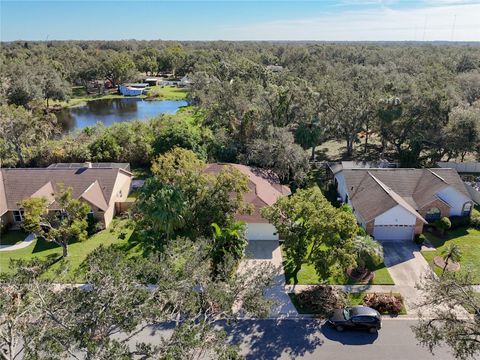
468 240
118 234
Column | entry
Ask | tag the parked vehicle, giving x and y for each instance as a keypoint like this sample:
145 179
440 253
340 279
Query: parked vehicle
357 317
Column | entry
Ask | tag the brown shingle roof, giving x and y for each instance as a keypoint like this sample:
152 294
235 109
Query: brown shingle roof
374 191
22 183
264 190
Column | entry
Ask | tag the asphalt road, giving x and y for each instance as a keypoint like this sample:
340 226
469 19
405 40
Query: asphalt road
309 339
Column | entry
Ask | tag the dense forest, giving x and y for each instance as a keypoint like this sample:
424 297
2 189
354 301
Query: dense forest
273 105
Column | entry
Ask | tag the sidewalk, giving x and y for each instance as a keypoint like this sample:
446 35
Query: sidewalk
28 240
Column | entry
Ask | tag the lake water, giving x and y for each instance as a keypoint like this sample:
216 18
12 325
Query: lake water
109 111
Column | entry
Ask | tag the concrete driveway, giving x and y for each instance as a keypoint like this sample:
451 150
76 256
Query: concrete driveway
268 251
407 268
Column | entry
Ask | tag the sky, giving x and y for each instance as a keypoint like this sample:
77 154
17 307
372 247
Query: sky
327 20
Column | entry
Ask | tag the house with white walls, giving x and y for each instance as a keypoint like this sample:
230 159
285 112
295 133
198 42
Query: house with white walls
395 203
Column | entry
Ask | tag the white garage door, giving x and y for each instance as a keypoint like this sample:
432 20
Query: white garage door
393 232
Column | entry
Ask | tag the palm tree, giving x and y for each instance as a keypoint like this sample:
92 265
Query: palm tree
367 250
163 206
228 242
451 252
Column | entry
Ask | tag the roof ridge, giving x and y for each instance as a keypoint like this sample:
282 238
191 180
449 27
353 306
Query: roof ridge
438 176
400 200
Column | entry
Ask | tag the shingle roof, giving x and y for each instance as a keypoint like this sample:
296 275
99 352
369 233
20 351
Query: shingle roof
264 190
93 184
374 191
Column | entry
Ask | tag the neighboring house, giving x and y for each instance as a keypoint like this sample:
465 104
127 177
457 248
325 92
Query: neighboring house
132 89
102 186
185 81
394 204
263 191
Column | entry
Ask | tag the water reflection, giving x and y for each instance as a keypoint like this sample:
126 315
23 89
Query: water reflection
110 111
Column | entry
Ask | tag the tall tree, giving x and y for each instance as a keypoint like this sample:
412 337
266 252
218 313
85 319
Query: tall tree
314 231
447 324
101 320
20 129
277 151
66 224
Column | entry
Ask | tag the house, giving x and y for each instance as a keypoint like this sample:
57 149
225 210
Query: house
104 186
185 81
153 81
263 191
132 89
395 203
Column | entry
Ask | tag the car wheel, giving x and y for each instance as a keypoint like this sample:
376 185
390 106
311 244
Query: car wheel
339 328
373 330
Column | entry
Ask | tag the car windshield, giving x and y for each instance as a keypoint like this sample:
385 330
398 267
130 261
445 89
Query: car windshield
347 313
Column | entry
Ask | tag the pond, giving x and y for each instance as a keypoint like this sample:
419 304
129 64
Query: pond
109 111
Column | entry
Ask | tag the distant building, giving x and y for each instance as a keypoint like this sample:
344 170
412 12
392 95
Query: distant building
132 89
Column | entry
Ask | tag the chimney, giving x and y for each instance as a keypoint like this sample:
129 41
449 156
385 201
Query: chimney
88 164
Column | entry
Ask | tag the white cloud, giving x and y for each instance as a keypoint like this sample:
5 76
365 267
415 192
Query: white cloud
446 22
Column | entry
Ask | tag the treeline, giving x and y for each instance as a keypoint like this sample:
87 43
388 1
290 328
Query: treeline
270 104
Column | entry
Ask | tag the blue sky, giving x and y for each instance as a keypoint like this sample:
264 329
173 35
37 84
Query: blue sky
329 20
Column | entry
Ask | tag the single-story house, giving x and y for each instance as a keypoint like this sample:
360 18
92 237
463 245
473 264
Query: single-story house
132 89
395 203
264 191
153 80
102 186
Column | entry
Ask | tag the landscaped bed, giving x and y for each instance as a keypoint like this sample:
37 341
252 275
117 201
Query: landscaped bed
468 240
118 233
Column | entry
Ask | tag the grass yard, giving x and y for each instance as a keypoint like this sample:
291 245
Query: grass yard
353 299
166 93
468 241
12 237
308 275
117 234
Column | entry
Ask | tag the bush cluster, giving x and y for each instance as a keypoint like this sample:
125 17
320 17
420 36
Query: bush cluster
321 300
384 303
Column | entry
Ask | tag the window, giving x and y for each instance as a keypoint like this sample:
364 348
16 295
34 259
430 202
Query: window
18 215
433 214
467 209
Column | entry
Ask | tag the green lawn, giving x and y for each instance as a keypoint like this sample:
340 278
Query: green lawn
308 275
469 242
12 237
166 93
353 299
117 234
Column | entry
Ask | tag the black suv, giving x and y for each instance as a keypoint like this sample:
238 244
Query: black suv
357 317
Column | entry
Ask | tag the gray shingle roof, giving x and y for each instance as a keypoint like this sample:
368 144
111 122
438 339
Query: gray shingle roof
374 191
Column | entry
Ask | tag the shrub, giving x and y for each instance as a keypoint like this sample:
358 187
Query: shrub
443 224
321 300
459 221
384 303
475 222
420 239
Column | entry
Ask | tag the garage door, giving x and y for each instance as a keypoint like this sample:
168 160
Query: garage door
393 232
261 231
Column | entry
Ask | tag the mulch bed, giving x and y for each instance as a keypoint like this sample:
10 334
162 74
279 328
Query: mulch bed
451 266
362 277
